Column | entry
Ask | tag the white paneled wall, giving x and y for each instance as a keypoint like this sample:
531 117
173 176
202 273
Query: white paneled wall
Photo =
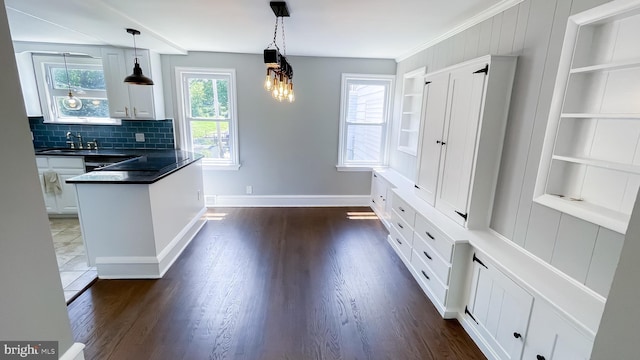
534 30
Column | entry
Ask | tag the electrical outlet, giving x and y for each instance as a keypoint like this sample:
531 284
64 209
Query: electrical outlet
140 137
249 189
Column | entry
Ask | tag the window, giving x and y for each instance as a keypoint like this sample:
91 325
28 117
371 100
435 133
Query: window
87 84
364 119
208 115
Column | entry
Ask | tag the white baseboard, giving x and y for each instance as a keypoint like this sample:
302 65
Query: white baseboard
75 352
150 267
286 200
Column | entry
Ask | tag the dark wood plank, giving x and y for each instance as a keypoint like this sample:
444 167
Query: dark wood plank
272 283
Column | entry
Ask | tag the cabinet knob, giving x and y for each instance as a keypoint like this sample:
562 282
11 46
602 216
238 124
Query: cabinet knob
400 208
126 111
517 335
400 225
399 242
429 235
427 255
540 357
135 113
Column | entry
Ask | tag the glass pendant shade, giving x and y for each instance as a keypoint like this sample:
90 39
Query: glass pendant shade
71 102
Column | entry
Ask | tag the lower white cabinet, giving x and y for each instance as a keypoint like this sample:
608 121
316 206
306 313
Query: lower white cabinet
434 259
499 310
66 167
552 337
379 193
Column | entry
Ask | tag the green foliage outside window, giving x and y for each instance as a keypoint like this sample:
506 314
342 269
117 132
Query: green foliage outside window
202 97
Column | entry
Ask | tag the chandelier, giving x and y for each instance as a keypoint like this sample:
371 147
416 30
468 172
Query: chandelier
279 80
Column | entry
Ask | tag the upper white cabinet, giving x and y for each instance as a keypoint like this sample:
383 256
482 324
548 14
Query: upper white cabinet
412 87
141 102
590 165
466 108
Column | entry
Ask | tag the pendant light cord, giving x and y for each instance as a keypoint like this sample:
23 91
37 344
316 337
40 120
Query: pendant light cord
135 48
284 43
275 36
66 69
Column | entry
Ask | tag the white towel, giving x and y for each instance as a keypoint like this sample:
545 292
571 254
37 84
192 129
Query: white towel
52 182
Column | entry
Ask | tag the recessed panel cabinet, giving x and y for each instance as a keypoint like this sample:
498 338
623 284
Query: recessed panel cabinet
66 167
465 116
499 310
136 102
590 165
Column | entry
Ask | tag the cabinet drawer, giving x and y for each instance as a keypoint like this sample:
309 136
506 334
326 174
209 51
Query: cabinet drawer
404 210
438 241
66 162
428 278
42 162
440 267
400 242
402 226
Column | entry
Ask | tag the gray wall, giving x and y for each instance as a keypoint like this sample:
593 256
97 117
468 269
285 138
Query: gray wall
285 149
533 30
33 306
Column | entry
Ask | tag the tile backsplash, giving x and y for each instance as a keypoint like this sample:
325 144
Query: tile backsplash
158 134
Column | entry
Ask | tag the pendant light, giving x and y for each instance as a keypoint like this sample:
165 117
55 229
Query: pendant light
136 78
279 79
70 102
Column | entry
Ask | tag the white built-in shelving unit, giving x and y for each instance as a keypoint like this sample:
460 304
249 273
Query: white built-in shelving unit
411 112
590 166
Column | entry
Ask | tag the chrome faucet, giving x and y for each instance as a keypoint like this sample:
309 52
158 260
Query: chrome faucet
93 143
71 142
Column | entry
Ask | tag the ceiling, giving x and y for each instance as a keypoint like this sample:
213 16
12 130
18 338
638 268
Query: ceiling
341 28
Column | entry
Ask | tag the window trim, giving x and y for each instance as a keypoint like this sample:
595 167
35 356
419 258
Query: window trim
184 129
386 126
41 63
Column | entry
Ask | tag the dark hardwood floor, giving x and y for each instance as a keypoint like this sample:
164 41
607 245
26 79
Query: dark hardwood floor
272 283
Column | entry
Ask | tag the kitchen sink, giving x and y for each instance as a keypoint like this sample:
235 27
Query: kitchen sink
58 151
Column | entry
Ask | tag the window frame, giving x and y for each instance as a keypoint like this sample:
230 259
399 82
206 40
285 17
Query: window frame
184 123
347 79
47 93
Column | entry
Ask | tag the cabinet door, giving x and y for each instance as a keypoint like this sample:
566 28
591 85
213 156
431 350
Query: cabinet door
49 198
113 63
435 105
551 337
141 96
501 310
67 202
466 95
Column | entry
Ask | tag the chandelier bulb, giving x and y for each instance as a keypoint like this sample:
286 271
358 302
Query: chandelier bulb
268 83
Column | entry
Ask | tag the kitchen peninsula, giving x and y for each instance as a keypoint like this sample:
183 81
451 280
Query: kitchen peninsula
137 215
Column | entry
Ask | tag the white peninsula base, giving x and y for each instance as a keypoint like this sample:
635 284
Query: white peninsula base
137 231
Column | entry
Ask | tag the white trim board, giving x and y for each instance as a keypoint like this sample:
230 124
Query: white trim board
470 22
285 200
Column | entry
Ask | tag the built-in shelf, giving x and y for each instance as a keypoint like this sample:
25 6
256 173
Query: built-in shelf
595 114
600 116
412 89
628 168
611 219
607 67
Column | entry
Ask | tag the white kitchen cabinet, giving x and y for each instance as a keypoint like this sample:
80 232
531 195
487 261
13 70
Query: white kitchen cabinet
590 164
380 188
430 147
553 337
136 102
462 137
499 310
435 260
67 167
412 87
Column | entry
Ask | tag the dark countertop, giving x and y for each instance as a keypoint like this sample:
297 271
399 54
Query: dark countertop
142 167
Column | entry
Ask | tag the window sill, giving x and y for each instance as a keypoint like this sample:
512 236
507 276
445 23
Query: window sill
358 167
84 122
216 167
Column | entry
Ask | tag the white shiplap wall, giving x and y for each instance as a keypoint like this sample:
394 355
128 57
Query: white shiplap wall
534 30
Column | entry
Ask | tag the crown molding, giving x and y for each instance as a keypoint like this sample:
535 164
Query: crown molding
470 22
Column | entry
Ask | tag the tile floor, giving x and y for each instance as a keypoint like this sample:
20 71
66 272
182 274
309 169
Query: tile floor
75 274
